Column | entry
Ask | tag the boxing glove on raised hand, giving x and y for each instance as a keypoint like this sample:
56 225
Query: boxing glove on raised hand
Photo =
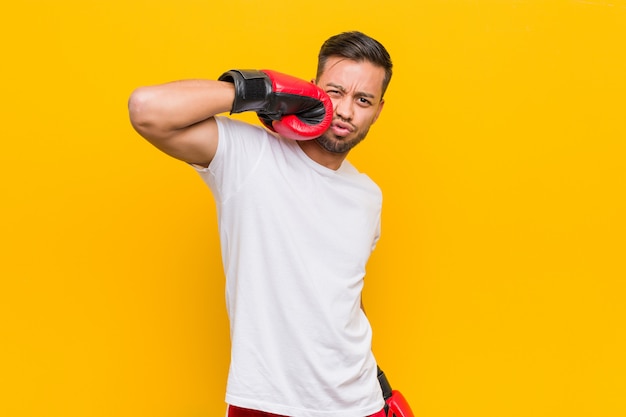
294 108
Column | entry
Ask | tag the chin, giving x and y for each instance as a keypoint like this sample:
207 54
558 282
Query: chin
335 144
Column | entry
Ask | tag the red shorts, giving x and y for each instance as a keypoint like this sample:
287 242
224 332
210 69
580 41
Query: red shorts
244 412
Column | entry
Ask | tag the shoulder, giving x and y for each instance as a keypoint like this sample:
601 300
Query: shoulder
228 125
237 136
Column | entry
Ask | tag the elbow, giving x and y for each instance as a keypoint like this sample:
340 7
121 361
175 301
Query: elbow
139 104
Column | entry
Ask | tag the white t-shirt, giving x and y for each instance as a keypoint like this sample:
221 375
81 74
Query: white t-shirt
295 238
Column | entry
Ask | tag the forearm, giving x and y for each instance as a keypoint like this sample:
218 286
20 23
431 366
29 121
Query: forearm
159 110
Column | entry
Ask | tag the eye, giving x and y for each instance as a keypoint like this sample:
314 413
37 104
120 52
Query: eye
364 102
333 93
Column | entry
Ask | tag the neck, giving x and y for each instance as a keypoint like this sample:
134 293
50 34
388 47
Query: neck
320 155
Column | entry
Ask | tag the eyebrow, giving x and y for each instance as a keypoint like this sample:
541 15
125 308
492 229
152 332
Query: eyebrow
358 93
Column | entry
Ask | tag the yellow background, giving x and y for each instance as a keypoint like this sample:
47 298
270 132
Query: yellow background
497 288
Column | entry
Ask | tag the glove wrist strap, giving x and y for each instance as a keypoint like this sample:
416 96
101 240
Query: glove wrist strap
252 88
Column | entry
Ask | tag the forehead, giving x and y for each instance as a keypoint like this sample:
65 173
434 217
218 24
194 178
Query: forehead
360 76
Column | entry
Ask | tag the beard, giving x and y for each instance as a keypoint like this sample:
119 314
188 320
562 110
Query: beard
338 144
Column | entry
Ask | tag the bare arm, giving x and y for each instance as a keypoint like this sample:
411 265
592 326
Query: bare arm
177 117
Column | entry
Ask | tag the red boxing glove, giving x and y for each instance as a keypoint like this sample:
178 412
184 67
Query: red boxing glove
294 108
397 406
395 403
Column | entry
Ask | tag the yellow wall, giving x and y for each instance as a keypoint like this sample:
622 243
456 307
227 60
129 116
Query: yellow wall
496 290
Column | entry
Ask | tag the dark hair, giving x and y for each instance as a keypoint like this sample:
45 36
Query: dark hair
358 47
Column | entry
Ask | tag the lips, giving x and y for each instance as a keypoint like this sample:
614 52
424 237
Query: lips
341 128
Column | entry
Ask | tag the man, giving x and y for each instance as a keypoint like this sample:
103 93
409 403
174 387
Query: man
297 222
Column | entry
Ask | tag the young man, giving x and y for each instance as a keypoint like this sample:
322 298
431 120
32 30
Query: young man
297 222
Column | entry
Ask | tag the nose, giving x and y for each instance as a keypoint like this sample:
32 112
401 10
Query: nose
343 108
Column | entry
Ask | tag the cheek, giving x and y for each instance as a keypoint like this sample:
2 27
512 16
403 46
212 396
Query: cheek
368 118
375 114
